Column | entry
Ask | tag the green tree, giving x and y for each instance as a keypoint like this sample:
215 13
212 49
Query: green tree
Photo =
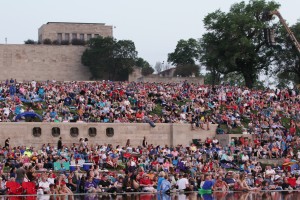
30 41
109 59
185 56
146 68
187 52
187 70
234 41
287 57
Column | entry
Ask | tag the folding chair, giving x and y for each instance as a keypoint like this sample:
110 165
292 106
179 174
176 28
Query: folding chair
57 166
29 188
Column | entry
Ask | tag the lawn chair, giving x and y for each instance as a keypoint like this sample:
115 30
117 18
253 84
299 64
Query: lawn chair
29 188
14 188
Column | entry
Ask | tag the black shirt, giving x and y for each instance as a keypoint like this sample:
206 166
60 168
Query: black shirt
104 183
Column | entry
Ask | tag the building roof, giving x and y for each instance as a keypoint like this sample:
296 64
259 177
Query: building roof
74 23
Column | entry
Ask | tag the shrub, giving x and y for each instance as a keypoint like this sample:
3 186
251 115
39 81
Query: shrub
47 41
29 41
65 42
55 42
78 42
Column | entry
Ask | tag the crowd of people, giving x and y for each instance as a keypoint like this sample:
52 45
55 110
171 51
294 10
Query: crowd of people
146 168
269 116
119 102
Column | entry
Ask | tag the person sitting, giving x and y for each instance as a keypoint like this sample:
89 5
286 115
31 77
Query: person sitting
220 184
147 184
44 184
208 184
165 185
106 185
90 186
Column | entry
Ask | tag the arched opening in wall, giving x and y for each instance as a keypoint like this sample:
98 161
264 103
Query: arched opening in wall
92 132
36 132
74 132
55 131
110 132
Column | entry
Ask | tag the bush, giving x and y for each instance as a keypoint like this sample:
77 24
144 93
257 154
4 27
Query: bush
55 42
65 42
47 41
78 42
29 41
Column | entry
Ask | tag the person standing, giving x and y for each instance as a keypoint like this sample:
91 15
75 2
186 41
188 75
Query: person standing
20 173
59 144
144 142
6 145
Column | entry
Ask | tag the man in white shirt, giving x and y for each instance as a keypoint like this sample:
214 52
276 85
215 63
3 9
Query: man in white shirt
183 183
44 184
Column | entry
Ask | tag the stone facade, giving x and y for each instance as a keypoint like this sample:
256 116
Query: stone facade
42 62
162 134
67 31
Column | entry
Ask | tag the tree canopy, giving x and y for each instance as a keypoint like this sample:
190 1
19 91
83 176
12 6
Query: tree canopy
235 42
109 59
287 57
146 67
185 56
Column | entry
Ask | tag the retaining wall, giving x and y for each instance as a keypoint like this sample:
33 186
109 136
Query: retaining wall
162 134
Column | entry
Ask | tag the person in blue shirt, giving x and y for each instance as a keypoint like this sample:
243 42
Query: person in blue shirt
208 183
161 177
165 185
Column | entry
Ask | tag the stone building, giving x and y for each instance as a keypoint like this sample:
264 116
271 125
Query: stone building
66 31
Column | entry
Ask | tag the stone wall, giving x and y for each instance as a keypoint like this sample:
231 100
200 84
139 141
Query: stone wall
162 134
42 62
196 80
137 76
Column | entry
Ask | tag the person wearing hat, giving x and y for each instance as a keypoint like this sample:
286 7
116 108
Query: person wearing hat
147 184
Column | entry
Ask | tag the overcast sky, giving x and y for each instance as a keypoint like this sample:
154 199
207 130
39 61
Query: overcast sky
154 26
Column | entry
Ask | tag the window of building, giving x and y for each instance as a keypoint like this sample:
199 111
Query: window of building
74 132
81 36
67 36
110 132
59 37
88 36
96 35
74 35
55 131
92 132
36 132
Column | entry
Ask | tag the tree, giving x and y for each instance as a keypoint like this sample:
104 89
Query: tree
235 42
187 70
187 52
146 68
109 59
185 56
30 41
287 57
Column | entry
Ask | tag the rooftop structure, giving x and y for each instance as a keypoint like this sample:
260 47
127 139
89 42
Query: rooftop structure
67 31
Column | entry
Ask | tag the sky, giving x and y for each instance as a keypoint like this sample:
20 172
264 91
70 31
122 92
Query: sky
154 26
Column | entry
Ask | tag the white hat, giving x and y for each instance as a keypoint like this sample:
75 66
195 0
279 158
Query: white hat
276 177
